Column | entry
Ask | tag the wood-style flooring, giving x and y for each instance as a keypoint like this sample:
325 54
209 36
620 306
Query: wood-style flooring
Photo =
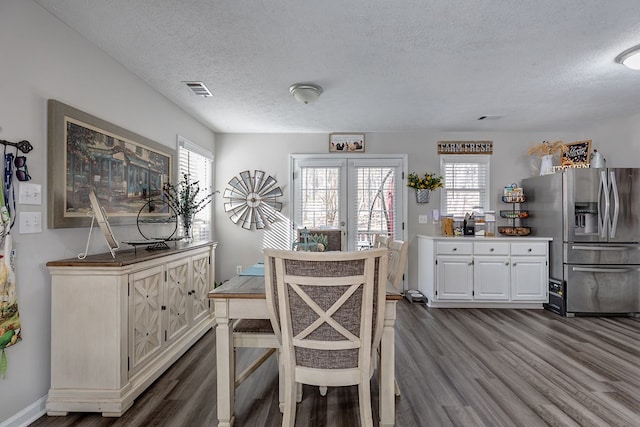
455 367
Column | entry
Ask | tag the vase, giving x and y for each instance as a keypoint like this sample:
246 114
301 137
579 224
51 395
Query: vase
422 195
187 229
546 164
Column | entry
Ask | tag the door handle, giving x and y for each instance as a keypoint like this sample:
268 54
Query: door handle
603 215
604 270
604 248
616 204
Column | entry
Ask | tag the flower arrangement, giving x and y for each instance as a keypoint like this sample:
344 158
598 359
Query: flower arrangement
429 181
546 148
184 198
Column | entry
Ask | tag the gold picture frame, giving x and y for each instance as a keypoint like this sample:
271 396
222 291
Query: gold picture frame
124 169
346 143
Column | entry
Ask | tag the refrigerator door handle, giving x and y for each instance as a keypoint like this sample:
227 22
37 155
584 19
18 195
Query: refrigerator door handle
604 248
603 214
616 205
605 270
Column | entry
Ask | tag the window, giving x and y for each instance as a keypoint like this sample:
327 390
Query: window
466 183
197 163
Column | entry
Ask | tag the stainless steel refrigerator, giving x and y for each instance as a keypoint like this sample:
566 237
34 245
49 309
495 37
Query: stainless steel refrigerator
593 216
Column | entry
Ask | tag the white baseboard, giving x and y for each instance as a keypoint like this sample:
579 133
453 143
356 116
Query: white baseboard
27 415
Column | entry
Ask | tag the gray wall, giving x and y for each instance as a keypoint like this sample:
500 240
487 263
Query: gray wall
42 58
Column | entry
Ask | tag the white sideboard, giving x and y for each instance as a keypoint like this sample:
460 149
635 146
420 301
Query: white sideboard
118 324
484 271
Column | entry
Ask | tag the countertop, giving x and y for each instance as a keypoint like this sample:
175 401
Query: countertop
486 239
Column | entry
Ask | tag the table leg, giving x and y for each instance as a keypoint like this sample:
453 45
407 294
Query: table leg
387 367
225 365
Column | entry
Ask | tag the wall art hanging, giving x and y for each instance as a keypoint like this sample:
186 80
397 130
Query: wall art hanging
251 200
86 154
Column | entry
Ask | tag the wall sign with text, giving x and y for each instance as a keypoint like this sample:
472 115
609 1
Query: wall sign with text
465 147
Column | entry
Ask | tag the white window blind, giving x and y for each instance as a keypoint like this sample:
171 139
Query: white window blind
466 179
197 164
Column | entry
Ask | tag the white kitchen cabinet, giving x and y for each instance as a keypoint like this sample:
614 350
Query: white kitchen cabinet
118 324
483 271
491 276
529 278
455 277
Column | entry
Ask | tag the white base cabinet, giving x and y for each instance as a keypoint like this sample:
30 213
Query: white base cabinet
483 272
118 324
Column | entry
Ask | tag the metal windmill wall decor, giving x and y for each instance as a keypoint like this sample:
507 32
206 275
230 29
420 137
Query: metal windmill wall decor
251 200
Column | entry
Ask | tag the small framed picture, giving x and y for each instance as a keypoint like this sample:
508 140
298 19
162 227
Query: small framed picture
346 143
578 153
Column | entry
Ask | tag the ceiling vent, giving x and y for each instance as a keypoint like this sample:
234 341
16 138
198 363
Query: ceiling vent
199 89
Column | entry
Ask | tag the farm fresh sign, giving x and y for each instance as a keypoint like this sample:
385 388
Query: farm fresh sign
465 147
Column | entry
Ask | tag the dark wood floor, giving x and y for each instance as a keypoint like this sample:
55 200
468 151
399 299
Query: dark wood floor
456 367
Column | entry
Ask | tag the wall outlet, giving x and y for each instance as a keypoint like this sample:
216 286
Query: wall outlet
423 219
238 269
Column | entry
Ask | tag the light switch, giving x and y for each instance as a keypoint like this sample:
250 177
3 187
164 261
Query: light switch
30 222
30 194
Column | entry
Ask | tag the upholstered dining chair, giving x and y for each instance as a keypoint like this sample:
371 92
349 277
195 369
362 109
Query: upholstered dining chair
398 250
327 309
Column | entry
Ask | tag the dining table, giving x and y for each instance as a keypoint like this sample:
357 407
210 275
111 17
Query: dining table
243 297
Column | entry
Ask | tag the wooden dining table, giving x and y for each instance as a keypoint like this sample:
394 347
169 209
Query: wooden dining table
243 297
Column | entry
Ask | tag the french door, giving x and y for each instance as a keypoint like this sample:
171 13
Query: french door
360 195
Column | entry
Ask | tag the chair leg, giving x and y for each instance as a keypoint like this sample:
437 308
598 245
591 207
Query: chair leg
298 392
289 414
396 387
281 395
364 397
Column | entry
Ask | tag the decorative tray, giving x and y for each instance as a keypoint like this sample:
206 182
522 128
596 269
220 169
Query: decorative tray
514 231
513 214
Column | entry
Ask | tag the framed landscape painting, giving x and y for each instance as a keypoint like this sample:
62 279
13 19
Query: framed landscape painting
125 170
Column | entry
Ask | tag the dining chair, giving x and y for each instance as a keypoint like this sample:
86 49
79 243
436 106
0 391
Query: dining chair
327 309
381 240
398 250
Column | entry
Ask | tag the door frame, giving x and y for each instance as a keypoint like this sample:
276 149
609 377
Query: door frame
402 233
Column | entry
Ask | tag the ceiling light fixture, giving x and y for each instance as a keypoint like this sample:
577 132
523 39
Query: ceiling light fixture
305 92
630 58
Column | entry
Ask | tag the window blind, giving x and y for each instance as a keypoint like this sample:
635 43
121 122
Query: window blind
467 184
197 164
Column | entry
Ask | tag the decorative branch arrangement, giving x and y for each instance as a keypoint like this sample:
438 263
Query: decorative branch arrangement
546 148
184 198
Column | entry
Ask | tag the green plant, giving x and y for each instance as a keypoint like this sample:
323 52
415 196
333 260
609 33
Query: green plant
185 199
428 181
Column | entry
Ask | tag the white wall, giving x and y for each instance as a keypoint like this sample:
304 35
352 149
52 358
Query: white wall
619 141
42 58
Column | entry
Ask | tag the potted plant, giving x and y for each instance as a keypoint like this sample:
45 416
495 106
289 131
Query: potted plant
545 151
185 199
424 184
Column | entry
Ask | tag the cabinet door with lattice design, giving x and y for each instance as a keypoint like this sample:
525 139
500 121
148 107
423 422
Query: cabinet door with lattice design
201 284
145 313
177 298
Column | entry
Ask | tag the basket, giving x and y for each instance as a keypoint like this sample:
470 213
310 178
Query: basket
514 231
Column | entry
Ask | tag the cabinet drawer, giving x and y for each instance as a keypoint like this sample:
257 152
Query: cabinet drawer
529 248
454 248
491 248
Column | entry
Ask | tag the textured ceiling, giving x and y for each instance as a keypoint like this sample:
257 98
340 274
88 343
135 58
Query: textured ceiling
406 65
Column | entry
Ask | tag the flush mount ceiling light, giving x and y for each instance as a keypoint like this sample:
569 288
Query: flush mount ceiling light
305 92
630 58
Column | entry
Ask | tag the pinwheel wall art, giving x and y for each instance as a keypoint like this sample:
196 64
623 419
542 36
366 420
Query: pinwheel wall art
251 200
